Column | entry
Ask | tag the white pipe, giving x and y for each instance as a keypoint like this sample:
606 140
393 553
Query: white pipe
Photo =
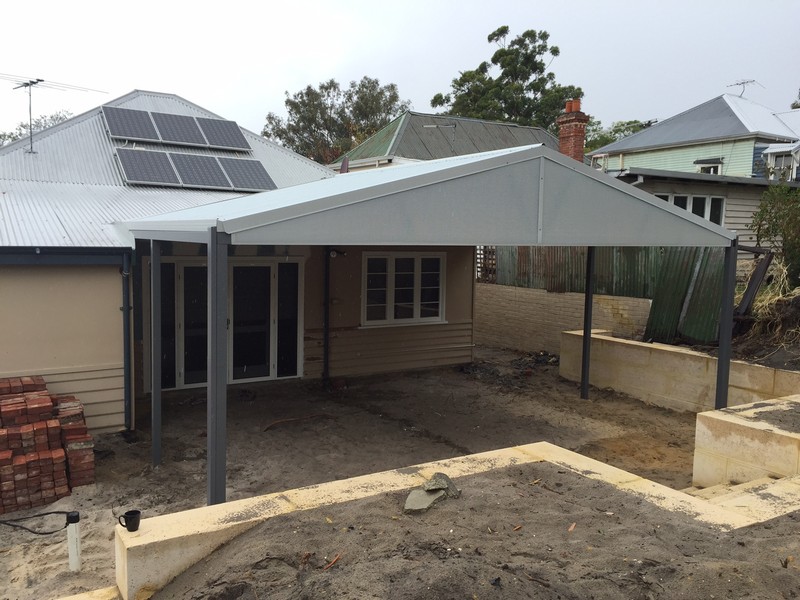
74 541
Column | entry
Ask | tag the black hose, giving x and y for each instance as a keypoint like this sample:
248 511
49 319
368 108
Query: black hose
13 522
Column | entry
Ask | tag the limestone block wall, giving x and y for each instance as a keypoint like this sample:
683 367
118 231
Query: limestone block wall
531 320
736 445
669 376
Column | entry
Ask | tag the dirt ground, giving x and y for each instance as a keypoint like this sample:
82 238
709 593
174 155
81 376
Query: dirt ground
288 434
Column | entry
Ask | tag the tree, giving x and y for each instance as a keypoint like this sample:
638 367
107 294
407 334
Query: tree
325 122
39 123
777 222
597 137
796 103
523 91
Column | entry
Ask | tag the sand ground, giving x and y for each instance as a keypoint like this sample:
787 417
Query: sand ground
289 434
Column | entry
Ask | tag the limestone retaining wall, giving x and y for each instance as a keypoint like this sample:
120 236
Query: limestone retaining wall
669 376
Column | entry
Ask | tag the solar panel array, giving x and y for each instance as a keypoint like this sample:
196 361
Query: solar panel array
145 166
185 130
247 174
178 129
152 167
130 124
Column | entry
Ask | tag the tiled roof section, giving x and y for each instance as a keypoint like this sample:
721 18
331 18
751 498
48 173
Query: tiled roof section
723 117
420 136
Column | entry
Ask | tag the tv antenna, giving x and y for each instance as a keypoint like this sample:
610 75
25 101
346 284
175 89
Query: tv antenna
29 83
744 83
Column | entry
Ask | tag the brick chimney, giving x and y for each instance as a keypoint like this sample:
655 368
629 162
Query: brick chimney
572 130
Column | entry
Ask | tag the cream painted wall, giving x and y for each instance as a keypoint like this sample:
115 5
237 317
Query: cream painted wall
64 322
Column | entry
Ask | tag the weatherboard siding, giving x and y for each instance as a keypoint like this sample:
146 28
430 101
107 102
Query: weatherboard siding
737 155
64 323
357 350
389 349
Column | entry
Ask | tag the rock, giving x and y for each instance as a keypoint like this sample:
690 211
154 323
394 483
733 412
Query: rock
421 500
440 481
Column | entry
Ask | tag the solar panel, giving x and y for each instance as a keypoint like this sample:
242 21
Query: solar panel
198 170
130 124
179 129
223 134
247 174
145 166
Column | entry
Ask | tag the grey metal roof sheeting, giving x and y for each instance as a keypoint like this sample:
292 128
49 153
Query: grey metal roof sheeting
421 136
723 117
521 196
70 189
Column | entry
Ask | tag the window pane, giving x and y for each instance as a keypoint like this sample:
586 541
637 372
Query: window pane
376 281
716 211
403 311
376 313
662 196
429 294
699 206
404 296
430 280
376 297
429 310
404 265
376 265
430 265
681 201
404 280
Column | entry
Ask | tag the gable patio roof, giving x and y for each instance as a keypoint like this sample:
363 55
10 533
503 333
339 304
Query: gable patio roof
520 196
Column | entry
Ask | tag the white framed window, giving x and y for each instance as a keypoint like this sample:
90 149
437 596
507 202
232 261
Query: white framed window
783 166
711 208
402 288
709 166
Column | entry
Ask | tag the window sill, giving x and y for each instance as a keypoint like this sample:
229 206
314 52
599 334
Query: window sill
411 324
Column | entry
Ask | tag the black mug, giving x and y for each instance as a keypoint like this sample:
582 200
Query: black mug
130 520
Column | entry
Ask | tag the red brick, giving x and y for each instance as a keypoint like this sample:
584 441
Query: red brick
5 387
28 384
16 385
48 494
6 472
58 455
62 490
6 458
48 483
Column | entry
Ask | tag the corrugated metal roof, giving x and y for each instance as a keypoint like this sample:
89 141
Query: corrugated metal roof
723 117
420 136
520 196
70 189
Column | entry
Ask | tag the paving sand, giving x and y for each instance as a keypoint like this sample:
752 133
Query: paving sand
284 435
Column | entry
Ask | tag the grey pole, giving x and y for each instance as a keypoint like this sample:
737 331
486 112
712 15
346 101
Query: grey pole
155 350
588 297
726 326
217 391
127 393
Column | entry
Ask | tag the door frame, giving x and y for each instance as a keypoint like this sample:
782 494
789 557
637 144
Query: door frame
181 262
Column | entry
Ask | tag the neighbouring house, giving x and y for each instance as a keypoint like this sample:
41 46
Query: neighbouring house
724 136
71 281
713 160
415 136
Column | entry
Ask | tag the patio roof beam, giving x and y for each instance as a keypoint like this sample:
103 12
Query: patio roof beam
217 390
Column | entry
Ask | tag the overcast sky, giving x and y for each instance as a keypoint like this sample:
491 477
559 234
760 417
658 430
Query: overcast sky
634 59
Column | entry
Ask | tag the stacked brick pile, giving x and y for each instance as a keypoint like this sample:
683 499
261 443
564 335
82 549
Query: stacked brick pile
45 448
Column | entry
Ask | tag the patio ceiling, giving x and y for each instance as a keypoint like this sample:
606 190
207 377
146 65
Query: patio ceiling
521 196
